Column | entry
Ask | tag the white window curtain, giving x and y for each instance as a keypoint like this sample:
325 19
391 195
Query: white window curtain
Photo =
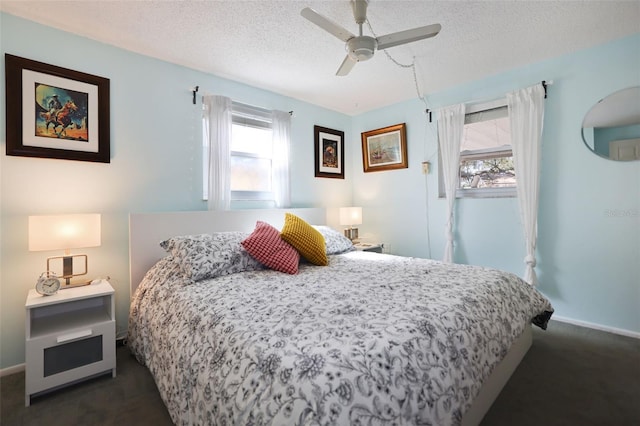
526 112
281 131
450 131
217 127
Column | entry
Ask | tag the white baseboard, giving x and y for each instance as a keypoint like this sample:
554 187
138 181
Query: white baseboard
12 370
614 330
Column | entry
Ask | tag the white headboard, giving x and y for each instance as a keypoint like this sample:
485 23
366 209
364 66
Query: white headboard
146 230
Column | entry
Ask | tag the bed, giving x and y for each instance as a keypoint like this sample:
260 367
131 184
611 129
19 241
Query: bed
368 339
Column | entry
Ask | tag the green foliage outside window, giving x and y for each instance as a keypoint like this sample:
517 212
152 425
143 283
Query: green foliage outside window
497 172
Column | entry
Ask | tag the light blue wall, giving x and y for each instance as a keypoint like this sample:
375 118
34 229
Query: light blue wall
589 216
155 162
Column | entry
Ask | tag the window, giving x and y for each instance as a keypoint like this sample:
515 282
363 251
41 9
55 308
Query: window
486 158
251 154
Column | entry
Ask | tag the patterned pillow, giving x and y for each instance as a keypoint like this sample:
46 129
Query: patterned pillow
210 255
305 238
335 241
268 248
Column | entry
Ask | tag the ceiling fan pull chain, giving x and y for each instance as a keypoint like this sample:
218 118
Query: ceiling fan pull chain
412 65
385 52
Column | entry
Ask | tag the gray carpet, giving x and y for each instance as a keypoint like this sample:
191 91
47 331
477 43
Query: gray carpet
571 376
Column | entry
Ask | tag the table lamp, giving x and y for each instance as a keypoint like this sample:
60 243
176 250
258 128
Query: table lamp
351 216
65 232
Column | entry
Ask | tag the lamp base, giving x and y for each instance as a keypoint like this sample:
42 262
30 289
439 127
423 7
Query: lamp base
351 233
66 264
74 285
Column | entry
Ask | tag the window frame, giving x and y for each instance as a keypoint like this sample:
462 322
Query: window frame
509 192
258 118
242 114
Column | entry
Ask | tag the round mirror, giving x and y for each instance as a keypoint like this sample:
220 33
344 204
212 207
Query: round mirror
611 128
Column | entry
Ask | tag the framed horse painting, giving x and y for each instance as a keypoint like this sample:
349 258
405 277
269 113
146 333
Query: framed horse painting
55 112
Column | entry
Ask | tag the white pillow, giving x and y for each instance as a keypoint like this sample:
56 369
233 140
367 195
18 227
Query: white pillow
336 242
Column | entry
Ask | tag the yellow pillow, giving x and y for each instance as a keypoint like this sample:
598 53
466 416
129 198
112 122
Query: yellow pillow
305 238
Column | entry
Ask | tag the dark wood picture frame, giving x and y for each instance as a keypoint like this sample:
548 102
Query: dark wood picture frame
385 149
329 152
54 112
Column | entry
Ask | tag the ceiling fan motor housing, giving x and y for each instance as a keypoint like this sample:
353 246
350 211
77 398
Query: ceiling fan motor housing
361 48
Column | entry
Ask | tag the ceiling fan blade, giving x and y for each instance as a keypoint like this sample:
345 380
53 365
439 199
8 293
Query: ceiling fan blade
408 36
346 67
326 24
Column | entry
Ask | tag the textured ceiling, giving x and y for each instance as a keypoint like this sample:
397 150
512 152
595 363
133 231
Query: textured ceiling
268 44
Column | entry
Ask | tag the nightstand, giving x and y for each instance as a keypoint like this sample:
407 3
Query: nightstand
70 336
372 247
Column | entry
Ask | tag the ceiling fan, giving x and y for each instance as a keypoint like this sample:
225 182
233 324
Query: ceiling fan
361 47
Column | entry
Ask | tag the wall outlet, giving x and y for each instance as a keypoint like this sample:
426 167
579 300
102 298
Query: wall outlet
425 167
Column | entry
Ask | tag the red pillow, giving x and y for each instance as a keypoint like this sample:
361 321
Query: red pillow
268 248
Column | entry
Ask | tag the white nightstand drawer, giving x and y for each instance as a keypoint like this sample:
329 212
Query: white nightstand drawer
79 354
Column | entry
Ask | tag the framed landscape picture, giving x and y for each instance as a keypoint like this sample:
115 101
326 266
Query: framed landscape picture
385 149
54 112
329 152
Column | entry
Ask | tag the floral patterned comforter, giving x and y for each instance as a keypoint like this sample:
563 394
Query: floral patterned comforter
369 339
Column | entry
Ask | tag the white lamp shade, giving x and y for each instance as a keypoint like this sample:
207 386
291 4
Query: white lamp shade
63 232
350 216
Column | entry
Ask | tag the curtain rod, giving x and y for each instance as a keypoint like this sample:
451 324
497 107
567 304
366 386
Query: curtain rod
544 83
195 89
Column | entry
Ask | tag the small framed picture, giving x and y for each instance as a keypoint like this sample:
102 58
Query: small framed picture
329 152
385 149
55 112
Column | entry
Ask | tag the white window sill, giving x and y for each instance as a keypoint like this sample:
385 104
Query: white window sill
485 193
